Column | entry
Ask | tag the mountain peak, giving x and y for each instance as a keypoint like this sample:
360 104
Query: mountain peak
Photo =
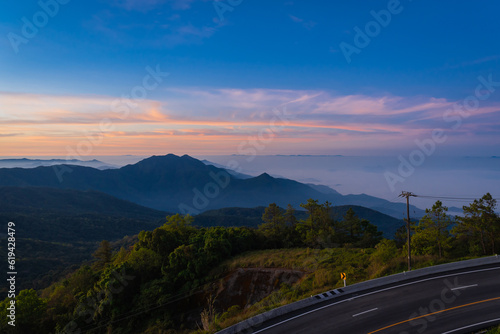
158 166
160 159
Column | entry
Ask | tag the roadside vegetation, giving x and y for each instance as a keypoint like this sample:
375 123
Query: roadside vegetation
168 280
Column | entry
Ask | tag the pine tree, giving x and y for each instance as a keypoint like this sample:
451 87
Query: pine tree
103 253
433 230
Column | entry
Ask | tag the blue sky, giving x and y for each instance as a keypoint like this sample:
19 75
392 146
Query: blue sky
227 76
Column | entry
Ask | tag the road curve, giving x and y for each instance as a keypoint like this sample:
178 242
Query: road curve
457 302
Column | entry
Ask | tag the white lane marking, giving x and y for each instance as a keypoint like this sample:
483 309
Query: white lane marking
373 309
478 324
464 287
371 293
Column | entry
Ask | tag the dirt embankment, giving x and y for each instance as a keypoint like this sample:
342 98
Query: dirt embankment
246 286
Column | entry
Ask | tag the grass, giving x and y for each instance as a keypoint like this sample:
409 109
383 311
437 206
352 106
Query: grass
494 330
322 273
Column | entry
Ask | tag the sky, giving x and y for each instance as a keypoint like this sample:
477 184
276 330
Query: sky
405 78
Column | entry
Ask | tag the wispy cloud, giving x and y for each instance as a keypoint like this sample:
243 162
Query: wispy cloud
10 134
308 24
160 23
147 5
230 115
296 19
473 62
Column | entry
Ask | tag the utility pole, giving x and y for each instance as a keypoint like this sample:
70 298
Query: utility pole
408 194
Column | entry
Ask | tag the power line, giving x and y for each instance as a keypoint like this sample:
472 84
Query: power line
448 198
451 198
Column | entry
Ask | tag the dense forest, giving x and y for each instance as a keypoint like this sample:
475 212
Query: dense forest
163 283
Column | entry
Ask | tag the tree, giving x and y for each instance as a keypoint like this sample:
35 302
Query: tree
351 226
369 235
401 236
274 227
480 224
432 233
289 216
292 238
165 239
145 262
30 313
489 219
103 253
318 229
358 232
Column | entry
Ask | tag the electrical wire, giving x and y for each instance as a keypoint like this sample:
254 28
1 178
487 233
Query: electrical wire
450 198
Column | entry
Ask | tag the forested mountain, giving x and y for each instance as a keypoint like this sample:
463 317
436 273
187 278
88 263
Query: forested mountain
70 215
180 278
187 185
57 229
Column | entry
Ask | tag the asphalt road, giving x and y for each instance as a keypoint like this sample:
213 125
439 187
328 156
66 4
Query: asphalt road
448 303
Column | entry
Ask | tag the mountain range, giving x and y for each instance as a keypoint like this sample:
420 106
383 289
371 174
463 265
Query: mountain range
62 212
33 163
186 185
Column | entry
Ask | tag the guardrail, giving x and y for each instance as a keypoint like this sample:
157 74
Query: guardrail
247 325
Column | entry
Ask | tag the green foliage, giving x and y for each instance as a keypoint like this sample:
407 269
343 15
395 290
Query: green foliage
165 239
318 230
432 234
58 229
30 312
145 262
252 217
152 285
41 263
385 250
278 229
480 226
358 232
401 236
274 227
495 330
103 254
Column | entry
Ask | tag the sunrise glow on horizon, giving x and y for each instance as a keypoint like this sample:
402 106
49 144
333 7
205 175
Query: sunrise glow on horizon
177 76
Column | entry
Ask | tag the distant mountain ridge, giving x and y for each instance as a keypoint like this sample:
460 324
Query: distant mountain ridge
33 163
187 185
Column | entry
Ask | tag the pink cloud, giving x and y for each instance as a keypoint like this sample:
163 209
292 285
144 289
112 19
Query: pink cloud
228 116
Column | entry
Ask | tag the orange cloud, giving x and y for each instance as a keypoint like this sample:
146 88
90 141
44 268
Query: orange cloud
218 120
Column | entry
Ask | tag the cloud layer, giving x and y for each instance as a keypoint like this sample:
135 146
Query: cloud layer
218 121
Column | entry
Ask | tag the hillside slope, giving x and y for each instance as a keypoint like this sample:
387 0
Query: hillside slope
70 215
58 229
